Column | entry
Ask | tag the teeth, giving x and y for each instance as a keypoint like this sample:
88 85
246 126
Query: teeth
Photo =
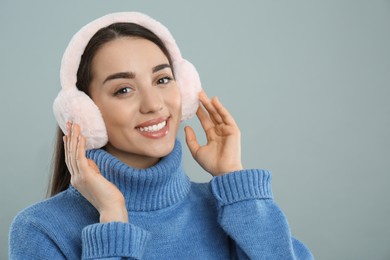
153 128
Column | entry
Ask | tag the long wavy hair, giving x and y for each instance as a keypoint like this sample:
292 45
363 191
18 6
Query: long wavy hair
60 178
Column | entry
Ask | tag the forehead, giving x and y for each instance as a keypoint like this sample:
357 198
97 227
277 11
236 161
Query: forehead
127 54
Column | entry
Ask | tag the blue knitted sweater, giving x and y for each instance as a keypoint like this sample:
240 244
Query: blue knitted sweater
232 217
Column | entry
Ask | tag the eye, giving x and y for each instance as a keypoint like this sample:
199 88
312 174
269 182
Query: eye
164 80
123 91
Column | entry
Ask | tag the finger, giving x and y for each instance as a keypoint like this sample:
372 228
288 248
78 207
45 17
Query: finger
207 103
67 148
204 119
66 152
81 160
75 132
223 112
191 140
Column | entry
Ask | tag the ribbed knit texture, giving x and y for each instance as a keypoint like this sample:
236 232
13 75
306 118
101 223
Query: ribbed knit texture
113 239
154 188
232 217
238 186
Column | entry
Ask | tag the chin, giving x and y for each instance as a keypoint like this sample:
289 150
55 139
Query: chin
159 143
160 149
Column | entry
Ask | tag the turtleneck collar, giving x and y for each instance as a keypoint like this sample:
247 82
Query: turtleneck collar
157 187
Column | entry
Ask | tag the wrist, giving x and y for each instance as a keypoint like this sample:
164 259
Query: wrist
229 169
117 214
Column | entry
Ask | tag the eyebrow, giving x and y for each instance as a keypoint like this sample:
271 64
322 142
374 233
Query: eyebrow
131 75
160 67
120 75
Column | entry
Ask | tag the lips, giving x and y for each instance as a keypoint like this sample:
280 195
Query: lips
155 128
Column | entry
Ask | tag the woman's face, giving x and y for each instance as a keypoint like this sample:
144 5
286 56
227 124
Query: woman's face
133 86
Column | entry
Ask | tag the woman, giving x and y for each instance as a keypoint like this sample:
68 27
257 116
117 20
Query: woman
131 199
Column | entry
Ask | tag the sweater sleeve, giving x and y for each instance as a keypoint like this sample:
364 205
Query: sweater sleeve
113 240
31 239
249 215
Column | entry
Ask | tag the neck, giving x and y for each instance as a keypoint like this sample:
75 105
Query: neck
131 159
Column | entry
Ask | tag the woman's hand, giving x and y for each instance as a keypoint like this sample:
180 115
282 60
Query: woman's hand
222 153
87 179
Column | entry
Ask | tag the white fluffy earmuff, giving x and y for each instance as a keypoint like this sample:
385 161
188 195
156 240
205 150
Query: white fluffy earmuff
72 105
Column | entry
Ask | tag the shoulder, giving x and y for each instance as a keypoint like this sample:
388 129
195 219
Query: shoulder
50 229
49 206
50 212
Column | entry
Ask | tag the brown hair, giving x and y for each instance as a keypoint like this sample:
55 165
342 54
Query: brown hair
60 178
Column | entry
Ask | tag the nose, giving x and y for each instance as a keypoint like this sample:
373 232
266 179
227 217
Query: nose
151 101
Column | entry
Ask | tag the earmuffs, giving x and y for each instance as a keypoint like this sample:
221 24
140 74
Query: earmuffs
72 105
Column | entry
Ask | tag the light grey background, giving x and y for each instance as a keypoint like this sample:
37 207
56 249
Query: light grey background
307 81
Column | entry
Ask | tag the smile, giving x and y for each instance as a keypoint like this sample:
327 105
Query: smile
153 128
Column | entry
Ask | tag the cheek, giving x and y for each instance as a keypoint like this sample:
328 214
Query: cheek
175 100
173 103
176 104
117 118
116 114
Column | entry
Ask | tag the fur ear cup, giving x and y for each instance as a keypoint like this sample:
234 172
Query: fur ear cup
188 81
72 105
